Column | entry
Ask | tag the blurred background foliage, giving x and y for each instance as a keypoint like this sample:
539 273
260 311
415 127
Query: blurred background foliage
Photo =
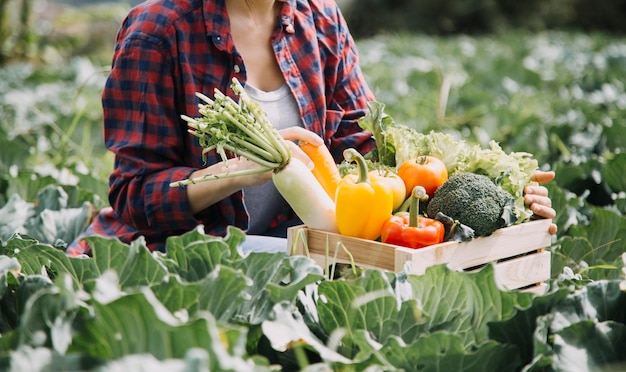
444 17
31 28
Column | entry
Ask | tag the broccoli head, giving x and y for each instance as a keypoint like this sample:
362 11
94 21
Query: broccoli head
474 200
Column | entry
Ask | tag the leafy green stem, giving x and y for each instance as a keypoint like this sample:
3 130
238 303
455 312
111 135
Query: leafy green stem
213 176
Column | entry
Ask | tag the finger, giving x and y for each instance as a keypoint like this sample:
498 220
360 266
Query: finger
543 211
296 152
241 163
552 229
301 134
530 199
542 176
536 190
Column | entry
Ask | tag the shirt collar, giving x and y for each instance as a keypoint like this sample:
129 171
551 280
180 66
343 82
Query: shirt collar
287 16
217 23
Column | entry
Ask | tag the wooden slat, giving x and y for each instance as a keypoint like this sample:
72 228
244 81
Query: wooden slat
503 243
523 271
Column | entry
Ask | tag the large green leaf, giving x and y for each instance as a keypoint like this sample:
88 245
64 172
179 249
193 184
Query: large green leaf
274 277
606 233
220 293
441 299
35 256
567 206
270 277
613 172
588 345
366 303
13 216
464 302
570 252
134 264
194 255
28 358
286 330
519 330
442 351
139 324
49 219
301 271
598 301
439 351
9 274
47 311
586 330
9 270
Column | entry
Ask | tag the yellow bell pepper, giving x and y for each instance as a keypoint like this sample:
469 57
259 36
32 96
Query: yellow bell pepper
395 183
363 201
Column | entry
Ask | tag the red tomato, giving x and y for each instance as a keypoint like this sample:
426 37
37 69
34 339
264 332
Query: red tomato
426 171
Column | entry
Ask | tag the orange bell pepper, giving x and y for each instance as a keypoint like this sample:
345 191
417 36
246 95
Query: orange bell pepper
363 201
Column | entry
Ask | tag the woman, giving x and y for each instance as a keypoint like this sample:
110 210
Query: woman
295 57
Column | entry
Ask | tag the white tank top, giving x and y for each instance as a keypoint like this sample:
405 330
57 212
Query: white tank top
263 202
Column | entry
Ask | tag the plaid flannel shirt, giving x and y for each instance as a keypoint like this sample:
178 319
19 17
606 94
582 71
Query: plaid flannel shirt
168 50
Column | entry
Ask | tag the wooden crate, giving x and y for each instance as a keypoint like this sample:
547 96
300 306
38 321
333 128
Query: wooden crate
517 251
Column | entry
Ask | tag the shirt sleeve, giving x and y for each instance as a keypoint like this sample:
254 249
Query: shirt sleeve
143 129
348 97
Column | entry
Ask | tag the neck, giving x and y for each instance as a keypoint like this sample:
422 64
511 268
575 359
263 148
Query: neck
253 15
253 8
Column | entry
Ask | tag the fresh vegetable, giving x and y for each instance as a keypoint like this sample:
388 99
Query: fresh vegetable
426 171
364 201
409 229
325 170
455 230
377 122
474 200
243 129
396 144
394 182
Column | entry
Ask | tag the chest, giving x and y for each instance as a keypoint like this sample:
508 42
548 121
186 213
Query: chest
254 43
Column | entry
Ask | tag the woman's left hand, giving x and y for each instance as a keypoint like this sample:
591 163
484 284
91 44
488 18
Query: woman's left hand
536 197
296 134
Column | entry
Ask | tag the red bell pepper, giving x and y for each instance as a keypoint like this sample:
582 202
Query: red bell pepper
408 229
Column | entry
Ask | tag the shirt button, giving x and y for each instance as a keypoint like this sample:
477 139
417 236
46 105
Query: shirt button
237 69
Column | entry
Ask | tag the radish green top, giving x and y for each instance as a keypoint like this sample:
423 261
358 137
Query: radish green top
241 128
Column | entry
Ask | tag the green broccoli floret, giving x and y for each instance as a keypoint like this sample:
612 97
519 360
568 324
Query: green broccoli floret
474 200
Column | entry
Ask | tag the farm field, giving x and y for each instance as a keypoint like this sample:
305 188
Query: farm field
560 96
